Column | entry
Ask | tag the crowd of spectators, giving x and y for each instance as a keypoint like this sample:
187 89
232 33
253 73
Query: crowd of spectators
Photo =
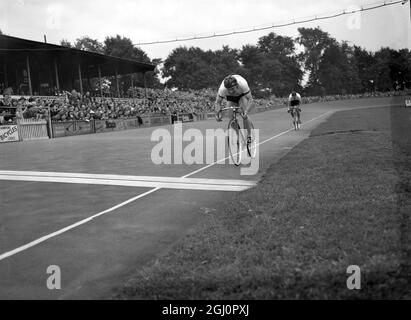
74 106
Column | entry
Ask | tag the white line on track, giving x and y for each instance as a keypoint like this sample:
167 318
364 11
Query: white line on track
129 181
81 222
269 139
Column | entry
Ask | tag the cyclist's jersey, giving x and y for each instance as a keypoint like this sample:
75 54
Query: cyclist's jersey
294 101
243 88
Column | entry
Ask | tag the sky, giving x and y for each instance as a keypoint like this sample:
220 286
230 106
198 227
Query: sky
156 20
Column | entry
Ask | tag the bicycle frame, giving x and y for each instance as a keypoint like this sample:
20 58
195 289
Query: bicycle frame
294 113
234 118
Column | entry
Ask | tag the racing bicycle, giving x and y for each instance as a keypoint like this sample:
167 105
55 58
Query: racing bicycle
294 114
236 139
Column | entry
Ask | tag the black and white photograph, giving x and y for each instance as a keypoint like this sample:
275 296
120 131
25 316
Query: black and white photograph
205 155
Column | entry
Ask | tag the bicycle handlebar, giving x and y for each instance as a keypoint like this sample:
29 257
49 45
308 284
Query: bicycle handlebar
230 108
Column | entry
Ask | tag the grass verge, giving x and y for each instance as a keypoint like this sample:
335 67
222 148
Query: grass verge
340 198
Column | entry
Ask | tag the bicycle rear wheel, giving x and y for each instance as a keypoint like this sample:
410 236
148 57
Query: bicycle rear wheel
234 142
295 119
252 147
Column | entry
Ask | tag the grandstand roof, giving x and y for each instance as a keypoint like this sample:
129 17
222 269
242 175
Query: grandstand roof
70 57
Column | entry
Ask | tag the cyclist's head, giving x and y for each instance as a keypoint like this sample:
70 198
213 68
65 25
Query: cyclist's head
230 82
293 93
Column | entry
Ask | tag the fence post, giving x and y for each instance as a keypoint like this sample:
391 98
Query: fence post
49 122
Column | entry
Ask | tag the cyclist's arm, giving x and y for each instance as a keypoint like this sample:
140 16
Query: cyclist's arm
299 102
246 103
218 104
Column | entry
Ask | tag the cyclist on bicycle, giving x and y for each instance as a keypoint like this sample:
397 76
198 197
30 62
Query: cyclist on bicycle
236 91
294 102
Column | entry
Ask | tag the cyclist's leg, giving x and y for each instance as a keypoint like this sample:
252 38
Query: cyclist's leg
246 104
292 113
299 112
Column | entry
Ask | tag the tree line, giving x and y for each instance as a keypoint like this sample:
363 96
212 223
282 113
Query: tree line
275 65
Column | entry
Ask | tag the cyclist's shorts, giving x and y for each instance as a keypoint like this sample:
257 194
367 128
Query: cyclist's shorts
295 103
237 98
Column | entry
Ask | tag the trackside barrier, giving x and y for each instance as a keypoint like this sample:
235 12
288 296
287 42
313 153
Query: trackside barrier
185 117
9 133
37 129
115 125
199 116
32 129
159 120
72 128
146 121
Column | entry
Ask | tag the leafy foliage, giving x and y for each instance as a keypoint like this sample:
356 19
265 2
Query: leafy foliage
88 44
338 72
269 67
273 66
66 43
315 42
193 68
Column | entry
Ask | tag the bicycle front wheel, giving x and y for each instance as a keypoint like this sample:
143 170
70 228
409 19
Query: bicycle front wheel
252 146
234 142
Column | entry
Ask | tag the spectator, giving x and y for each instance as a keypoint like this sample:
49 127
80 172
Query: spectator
87 98
139 120
20 112
2 117
71 116
8 91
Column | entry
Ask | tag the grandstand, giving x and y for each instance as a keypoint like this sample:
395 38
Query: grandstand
34 68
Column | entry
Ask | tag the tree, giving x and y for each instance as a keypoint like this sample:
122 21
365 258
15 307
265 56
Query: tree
188 69
252 59
288 75
225 62
123 47
315 42
338 73
400 68
88 44
392 69
66 43
349 68
364 61
193 68
272 66
276 45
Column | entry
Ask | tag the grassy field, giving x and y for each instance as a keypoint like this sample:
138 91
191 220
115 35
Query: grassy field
340 198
